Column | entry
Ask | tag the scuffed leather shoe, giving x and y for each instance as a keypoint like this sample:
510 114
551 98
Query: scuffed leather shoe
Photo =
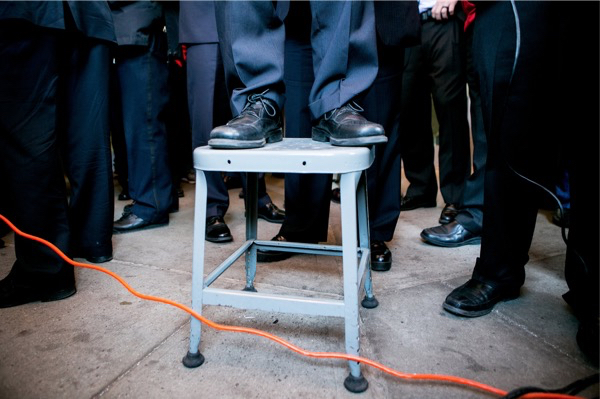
129 222
448 214
271 213
381 257
450 235
217 231
258 123
273 256
409 203
344 126
474 298
16 291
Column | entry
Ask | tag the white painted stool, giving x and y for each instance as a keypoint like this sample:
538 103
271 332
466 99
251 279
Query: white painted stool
288 156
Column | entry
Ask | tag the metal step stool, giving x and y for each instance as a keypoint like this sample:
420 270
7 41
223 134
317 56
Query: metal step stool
289 156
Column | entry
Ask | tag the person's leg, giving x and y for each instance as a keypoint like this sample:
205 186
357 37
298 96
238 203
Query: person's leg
306 196
208 106
248 28
382 105
203 87
446 53
86 148
143 79
415 133
30 164
516 98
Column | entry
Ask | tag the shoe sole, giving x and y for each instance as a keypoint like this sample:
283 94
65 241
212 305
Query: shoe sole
381 266
322 136
470 241
268 256
219 240
270 220
147 227
477 313
272 137
55 296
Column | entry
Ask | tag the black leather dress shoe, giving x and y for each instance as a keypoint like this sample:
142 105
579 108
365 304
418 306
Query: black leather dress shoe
271 213
450 235
381 257
99 259
336 195
258 123
124 196
217 230
474 298
232 181
129 222
15 291
409 203
273 256
448 214
344 126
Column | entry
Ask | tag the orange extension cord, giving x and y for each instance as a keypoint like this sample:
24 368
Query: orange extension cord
290 346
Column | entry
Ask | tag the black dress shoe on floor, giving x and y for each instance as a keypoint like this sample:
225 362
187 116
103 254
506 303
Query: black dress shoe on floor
381 257
217 231
129 222
271 213
258 123
409 203
124 196
344 126
450 235
99 259
448 214
474 298
15 292
274 256
336 195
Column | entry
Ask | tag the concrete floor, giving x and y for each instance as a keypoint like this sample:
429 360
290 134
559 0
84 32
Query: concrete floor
103 342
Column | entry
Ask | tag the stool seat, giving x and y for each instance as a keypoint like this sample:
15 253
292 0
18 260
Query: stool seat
287 156
290 155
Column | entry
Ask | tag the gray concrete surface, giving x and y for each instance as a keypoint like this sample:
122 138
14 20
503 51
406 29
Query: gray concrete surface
103 342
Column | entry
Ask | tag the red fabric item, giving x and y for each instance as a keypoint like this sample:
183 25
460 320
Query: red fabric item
469 9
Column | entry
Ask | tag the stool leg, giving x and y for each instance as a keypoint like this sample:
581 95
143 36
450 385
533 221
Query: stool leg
355 382
369 301
251 200
194 358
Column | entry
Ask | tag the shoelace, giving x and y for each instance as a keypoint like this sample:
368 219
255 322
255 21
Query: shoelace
352 106
258 98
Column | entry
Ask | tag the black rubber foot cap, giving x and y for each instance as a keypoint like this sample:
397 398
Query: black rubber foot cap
249 289
193 360
369 303
356 384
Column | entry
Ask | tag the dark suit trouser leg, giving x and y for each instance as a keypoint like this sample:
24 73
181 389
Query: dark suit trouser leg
382 105
580 87
248 28
344 46
203 86
415 134
445 52
86 147
29 153
143 81
515 112
470 213
307 197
